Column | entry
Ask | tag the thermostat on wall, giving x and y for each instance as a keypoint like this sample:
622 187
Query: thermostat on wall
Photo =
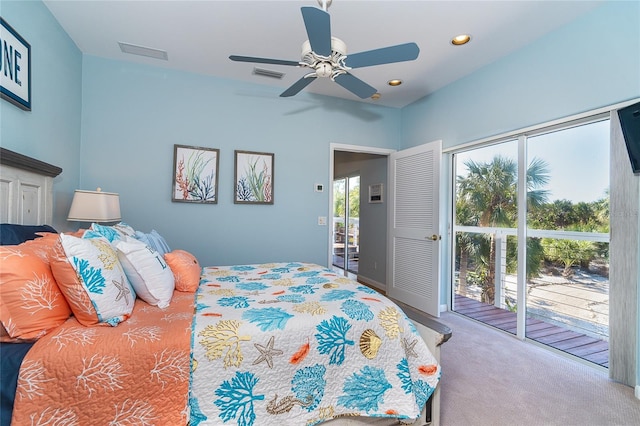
319 187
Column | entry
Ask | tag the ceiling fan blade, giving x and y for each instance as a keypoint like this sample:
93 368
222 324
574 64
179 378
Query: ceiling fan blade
355 85
318 26
297 86
385 55
263 60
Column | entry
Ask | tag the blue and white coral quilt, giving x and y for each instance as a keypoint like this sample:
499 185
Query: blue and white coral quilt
297 344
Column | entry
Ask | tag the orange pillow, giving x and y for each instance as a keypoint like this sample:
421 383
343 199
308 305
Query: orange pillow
41 246
31 304
4 334
186 270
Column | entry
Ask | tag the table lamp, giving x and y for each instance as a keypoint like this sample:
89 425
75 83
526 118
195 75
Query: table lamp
95 206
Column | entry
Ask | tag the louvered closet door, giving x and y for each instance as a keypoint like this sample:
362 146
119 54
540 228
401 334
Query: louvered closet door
414 240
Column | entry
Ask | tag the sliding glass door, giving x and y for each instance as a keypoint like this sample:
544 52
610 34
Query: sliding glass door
531 231
346 223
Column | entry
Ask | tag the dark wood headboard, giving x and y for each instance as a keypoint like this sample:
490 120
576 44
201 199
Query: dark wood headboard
14 159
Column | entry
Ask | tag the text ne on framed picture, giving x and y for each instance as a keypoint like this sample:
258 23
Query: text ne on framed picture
15 67
195 174
253 177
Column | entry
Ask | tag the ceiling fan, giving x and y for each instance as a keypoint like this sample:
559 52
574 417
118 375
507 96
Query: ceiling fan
327 56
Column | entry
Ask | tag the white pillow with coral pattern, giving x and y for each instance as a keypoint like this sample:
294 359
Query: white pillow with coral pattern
92 280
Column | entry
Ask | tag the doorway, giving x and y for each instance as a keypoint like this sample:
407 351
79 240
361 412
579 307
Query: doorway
388 267
365 232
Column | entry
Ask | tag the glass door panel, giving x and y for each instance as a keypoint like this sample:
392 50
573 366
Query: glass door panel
485 234
339 222
353 231
346 223
568 228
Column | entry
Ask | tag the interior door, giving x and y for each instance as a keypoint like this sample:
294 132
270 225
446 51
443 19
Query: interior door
413 276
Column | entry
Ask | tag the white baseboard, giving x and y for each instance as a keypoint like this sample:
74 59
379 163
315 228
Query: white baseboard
637 392
444 308
373 283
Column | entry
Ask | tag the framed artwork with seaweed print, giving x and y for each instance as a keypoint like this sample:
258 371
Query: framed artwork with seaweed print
195 174
253 177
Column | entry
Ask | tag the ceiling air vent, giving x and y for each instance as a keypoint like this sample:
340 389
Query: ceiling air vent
268 73
143 51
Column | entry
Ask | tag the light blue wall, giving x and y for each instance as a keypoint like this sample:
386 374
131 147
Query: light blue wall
132 116
49 132
590 63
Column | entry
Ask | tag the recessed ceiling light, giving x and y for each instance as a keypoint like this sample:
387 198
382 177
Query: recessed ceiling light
150 52
461 39
394 82
376 96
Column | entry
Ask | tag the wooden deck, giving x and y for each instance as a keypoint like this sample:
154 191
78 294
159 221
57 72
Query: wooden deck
579 345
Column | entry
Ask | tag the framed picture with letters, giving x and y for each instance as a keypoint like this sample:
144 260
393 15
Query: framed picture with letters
15 67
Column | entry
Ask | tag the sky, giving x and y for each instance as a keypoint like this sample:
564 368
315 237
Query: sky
577 160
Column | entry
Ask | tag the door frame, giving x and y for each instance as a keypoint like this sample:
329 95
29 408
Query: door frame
347 148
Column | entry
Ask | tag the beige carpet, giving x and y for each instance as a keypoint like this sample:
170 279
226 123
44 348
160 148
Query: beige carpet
490 378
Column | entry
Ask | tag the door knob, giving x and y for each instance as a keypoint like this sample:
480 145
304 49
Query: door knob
435 237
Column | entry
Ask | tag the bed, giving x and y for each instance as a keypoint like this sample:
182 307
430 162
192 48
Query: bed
288 343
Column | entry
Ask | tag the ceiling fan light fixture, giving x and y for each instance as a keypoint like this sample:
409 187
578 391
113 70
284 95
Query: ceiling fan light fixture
326 56
461 39
376 96
395 82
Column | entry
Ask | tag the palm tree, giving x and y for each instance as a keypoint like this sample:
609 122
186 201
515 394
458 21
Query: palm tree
466 244
488 196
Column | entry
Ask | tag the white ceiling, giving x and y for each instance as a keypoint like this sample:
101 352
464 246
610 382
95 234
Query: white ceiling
199 36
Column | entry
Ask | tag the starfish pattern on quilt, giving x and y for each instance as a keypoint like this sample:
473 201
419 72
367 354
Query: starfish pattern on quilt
410 347
267 352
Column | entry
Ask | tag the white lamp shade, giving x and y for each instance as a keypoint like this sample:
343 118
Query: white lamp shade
95 206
